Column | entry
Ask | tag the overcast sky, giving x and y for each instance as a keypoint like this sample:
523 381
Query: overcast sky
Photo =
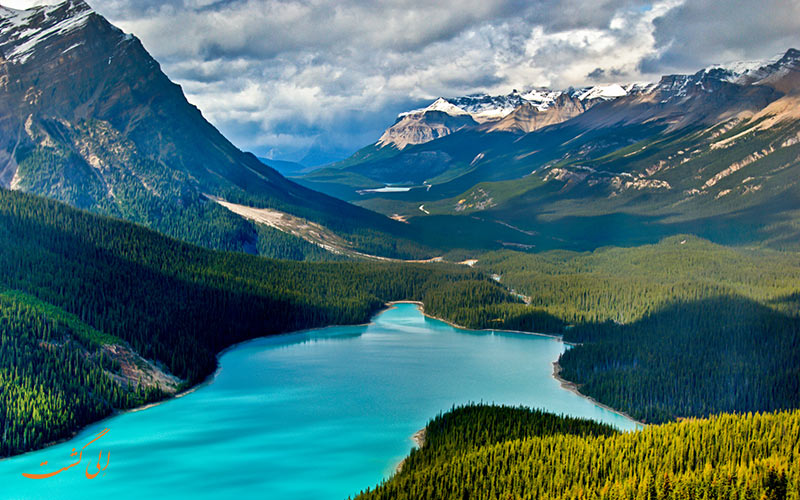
277 75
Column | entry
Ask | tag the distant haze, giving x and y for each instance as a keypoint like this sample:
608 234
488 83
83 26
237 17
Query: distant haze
314 79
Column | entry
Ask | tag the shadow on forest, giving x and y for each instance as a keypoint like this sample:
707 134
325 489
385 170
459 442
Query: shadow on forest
693 358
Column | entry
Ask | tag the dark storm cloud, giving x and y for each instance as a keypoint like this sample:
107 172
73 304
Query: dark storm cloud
703 32
596 74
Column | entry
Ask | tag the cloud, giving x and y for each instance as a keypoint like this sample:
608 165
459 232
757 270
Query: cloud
703 32
596 74
278 76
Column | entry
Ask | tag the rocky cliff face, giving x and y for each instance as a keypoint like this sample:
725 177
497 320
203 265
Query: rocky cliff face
529 117
74 84
418 127
88 117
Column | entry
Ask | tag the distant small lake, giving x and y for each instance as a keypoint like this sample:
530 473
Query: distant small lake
315 415
386 189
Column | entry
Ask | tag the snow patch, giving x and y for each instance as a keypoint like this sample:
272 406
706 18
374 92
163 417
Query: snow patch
439 104
75 46
739 69
603 92
485 108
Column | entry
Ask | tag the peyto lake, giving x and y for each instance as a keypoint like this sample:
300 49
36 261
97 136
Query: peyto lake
314 415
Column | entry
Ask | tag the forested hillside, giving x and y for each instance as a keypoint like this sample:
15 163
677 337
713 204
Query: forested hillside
652 320
481 452
76 283
624 284
681 328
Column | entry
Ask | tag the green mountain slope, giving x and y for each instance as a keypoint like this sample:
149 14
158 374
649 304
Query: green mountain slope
712 154
88 117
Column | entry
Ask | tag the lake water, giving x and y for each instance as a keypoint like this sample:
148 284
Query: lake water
385 189
315 415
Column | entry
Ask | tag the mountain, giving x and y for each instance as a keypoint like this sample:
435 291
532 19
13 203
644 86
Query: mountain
380 163
88 117
713 153
530 117
424 125
514 112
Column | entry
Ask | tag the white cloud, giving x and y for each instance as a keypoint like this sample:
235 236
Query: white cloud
275 75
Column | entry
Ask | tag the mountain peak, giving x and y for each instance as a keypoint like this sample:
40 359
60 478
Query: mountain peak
22 32
791 57
439 119
602 92
445 106
441 104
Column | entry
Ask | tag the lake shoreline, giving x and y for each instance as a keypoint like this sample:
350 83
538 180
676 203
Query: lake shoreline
567 385
419 440
209 379
421 307
573 388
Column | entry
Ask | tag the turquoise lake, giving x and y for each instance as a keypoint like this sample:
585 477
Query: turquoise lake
314 415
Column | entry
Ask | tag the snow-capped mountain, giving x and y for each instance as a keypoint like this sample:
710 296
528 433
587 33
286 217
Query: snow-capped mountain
532 109
440 104
518 112
498 137
750 72
781 73
601 92
24 32
532 116
419 126
484 107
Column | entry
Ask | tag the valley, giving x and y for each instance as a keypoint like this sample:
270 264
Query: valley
657 160
289 324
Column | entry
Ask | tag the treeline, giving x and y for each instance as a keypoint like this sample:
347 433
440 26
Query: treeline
170 301
682 328
730 457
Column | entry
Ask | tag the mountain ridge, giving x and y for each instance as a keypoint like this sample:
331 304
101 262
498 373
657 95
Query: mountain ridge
715 149
486 110
482 111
